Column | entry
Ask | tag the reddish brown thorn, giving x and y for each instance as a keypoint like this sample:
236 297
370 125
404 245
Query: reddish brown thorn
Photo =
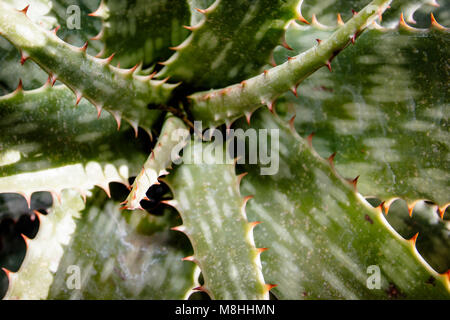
199 289
25 10
96 13
261 250
339 20
436 24
294 91
291 122
98 36
23 58
84 47
310 138
270 106
254 223
8 273
441 212
318 41
78 98
124 208
190 258
99 111
19 86
178 228
403 22
291 58
247 198
410 210
37 214
201 10
329 66
241 176
272 61
266 72
248 116
146 198
354 12
109 59
132 70
55 30
270 286
118 119
284 44
447 274
353 38
331 159
354 182
190 28
124 202
414 238
26 239
243 84
382 208
301 18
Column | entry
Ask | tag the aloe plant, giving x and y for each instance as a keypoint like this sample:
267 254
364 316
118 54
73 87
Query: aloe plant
342 89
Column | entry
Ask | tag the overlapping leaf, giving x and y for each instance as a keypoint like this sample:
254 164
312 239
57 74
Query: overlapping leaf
384 112
231 42
47 143
323 238
116 256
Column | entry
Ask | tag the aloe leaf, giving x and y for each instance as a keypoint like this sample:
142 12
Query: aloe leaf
206 194
124 261
47 144
173 135
233 41
325 12
10 68
433 242
150 28
386 121
124 93
324 239
77 29
226 105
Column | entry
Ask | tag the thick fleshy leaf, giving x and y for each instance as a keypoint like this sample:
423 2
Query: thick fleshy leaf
173 135
325 12
216 107
99 252
206 194
147 33
232 42
48 144
125 93
324 240
384 112
433 242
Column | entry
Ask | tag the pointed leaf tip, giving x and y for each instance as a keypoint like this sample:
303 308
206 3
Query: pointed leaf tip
25 10
270 286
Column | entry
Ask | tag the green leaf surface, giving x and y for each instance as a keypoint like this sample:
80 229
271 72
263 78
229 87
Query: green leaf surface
119 255
384 111
232 42
206 194
173 135
48 144
147 32
326 10
433 241
216 107
122 92
323 237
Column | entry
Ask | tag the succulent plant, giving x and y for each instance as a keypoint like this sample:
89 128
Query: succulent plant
100 108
